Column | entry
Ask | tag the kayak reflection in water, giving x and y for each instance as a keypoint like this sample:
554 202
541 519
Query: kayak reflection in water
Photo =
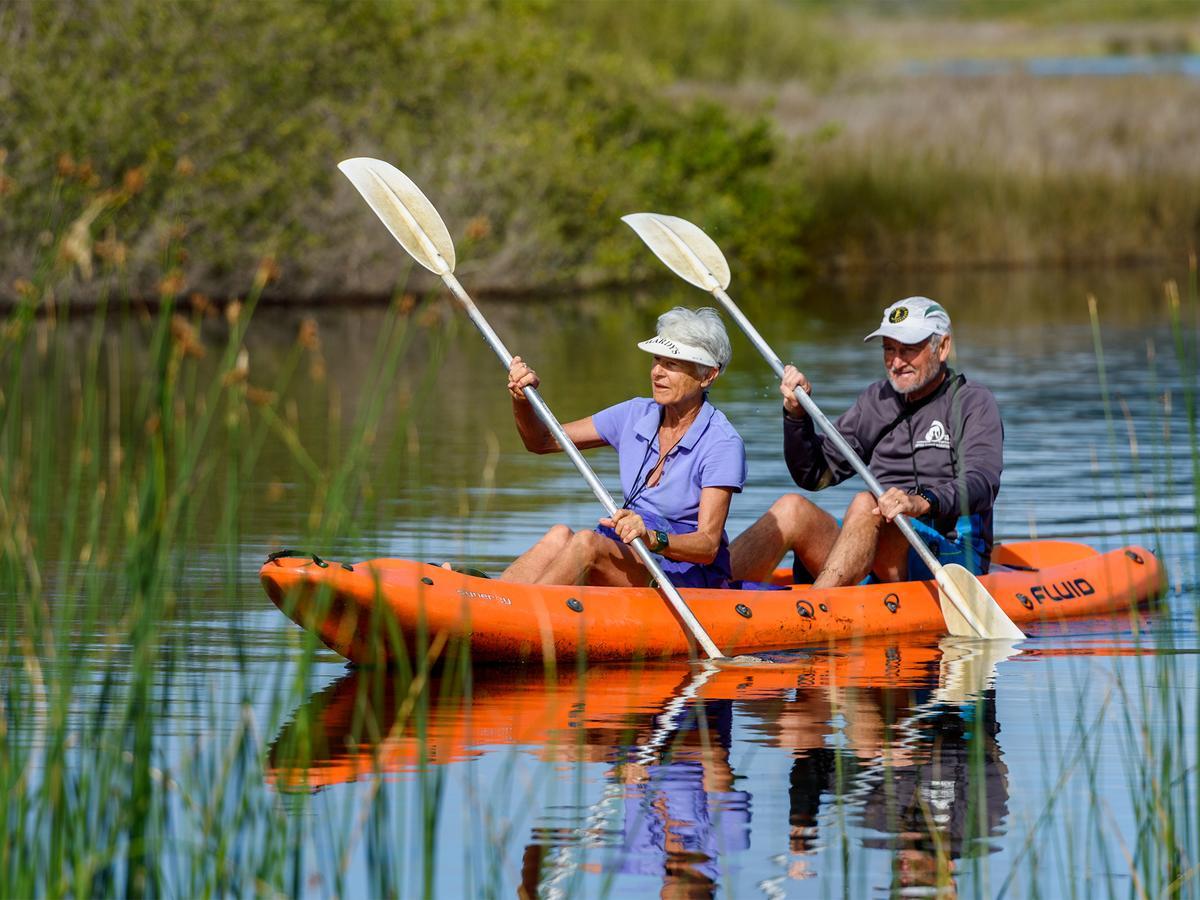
932 439
681 462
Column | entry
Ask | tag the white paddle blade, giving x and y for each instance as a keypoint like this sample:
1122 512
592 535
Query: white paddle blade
963 598
407 213
968 668
685 249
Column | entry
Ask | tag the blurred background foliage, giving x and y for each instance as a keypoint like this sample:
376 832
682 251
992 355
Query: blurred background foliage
183 142
129 125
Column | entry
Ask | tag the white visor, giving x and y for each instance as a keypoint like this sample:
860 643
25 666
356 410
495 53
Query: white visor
664 346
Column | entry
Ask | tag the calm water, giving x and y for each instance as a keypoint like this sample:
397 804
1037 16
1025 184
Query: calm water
846 771
1186 64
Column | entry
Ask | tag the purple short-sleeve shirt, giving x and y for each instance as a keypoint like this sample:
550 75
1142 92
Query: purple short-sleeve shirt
710 454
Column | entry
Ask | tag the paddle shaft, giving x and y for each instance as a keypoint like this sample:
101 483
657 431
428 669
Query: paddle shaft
543 412
847 452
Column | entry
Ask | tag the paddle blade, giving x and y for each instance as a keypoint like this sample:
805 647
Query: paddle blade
968 668
407 213
963 598
687 251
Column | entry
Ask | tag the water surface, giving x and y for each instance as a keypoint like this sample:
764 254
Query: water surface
860 770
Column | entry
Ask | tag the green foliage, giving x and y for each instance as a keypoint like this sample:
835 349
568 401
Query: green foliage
773 40
219 125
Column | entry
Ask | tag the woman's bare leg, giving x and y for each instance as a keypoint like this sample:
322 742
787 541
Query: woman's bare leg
591 558
529 567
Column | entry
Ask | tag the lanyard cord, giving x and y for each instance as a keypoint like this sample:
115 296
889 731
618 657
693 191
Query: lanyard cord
639 489
951 386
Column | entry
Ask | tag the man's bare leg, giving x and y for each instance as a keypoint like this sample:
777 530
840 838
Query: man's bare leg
891 555
867 544
530 565
792 523
854 551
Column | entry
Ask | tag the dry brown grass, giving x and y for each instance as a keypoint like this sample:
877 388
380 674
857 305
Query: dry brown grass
912 165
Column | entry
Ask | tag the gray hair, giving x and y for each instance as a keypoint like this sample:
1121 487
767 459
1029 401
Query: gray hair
700 328
935 341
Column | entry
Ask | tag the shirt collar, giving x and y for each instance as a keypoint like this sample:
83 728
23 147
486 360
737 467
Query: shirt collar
647 426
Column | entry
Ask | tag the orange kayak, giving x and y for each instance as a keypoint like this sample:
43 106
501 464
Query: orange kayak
395 610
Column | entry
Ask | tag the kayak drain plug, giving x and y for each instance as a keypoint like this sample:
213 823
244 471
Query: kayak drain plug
574 604
743 610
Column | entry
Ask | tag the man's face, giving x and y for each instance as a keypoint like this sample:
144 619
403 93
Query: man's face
911 368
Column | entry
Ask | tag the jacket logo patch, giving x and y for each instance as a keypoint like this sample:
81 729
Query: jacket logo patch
936 436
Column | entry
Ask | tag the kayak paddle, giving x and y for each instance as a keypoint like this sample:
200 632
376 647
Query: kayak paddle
968 608
414 222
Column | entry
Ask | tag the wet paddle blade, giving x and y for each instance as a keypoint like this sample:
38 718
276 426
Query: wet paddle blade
685 249
963 599
968 668
407 213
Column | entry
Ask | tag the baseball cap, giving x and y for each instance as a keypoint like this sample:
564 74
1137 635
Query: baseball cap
912 320
665 346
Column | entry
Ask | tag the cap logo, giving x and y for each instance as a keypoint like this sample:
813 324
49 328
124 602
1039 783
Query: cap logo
899 314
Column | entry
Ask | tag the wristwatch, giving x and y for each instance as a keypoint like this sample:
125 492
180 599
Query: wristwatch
929 498
661 539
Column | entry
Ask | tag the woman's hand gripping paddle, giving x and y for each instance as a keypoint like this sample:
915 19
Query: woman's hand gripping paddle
969 610
414 222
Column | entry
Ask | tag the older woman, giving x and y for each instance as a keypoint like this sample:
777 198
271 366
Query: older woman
681 462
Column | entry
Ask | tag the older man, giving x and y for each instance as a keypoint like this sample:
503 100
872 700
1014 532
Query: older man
933 440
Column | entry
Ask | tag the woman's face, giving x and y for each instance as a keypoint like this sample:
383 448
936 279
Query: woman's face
675 382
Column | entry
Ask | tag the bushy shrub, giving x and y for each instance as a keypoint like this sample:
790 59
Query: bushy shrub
131 126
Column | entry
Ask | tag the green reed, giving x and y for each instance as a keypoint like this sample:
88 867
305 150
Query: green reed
131 443
1154 717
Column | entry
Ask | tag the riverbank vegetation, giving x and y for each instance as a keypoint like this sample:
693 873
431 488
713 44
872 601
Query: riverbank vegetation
796 134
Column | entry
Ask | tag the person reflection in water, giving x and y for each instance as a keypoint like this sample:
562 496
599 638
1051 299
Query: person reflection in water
682 815
681 462
920 790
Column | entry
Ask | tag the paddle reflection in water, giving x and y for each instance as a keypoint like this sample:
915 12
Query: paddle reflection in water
895 740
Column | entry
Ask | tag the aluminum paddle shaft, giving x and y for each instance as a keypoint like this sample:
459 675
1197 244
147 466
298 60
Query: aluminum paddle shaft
415 223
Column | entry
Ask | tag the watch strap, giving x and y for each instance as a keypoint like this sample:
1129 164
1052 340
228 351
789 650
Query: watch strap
931 498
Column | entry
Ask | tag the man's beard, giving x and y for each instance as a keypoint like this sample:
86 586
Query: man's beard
923 383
